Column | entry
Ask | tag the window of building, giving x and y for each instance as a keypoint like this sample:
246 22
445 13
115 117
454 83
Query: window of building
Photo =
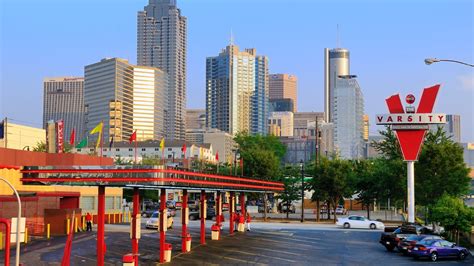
79 150
143 149
87 203
109 203
117 149
170 149
130 149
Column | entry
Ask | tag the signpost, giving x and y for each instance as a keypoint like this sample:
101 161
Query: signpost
410 125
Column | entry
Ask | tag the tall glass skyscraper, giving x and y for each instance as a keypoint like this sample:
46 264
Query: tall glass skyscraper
64 99
237 91
336 63
348 118
161 42
126 98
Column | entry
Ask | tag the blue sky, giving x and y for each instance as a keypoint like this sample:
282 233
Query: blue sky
388 41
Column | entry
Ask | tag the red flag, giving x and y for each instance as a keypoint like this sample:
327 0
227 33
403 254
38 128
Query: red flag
241 162
183 149
73 137
133 137
217 156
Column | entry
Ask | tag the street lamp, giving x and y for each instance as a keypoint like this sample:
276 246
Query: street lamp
430 61
17 256
302 190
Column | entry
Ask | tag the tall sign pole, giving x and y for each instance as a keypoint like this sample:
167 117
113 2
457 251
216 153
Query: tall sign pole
410 125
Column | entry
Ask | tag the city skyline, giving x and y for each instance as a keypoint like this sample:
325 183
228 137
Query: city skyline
381 55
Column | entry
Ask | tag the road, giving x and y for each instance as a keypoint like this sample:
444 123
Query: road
267 244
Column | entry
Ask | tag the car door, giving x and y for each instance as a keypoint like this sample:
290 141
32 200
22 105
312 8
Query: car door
445 249
353 221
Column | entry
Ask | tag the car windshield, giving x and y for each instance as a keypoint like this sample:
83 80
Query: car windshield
154 215
427 242
414 238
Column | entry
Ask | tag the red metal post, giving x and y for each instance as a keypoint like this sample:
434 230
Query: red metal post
184 213
231 213
136 207
100 226
163 216
203 214
242 204
6 222
218 208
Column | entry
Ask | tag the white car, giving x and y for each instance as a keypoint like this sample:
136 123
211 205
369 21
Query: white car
355 221
154 221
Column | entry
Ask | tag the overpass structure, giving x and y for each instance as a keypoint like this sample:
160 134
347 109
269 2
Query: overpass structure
153 178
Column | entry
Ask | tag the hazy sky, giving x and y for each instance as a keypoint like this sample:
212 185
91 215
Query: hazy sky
388 42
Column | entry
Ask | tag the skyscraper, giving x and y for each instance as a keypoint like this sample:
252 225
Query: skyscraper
237 91
283 86
161 42
348 118
64 99
452 128
366 127
336 63
126 98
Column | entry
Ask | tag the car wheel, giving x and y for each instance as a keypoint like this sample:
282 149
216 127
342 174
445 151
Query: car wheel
434 256
373 226
347 225
389 248
462 255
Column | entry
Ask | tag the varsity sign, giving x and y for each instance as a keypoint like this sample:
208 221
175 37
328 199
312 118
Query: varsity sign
410 124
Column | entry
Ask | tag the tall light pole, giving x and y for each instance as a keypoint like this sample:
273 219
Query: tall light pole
302 190
430 61
17 257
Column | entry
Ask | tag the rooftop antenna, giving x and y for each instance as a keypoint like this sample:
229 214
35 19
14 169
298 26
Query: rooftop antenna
337 37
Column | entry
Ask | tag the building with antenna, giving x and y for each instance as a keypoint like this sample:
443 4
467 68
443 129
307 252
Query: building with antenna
336 63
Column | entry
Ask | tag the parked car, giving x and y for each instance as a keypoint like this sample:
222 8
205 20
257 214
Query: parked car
148 212
391 239
154 221
411 240
437 248
355 221
340 210
284 208
195 214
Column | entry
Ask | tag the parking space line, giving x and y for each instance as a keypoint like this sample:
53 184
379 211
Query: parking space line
252 254
279 251
230 258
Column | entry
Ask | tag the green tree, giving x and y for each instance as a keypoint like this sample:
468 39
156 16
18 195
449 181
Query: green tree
292 190
440 169
451 213
40 146
335 178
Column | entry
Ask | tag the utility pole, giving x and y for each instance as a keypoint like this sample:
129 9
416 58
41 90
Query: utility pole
302 190
317 163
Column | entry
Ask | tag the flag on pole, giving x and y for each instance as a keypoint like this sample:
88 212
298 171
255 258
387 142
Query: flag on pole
97 129
133 137
82 144
183 149
111 142
73 137
217 155
162 144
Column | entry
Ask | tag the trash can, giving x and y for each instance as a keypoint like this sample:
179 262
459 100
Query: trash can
215 232
128 260
168 248
188 242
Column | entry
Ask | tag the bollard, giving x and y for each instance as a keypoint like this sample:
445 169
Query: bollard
75 225
26 235
215 232
48 231
1 240
114 217
168 248
188 242
108 218
67 226
127 260
83 223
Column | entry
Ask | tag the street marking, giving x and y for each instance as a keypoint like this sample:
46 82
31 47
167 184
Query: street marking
230 258
252 254
279 251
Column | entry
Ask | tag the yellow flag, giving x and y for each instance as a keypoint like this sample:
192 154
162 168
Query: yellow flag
97 129
162 144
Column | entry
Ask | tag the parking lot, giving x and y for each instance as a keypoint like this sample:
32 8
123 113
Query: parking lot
267 244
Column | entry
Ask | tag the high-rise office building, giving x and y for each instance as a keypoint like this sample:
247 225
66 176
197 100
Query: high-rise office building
336 63
126 98
280 124
237 91
452 128
63 99
280 105
161 42
195 119
348 118
366 128
283 86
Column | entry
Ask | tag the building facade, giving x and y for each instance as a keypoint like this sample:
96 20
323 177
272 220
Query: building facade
348 118
20 137
195 119
280 105
237 91
126 98
366 128
452 128
284 86
161 43
280 124
336 63
302 120
63 99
